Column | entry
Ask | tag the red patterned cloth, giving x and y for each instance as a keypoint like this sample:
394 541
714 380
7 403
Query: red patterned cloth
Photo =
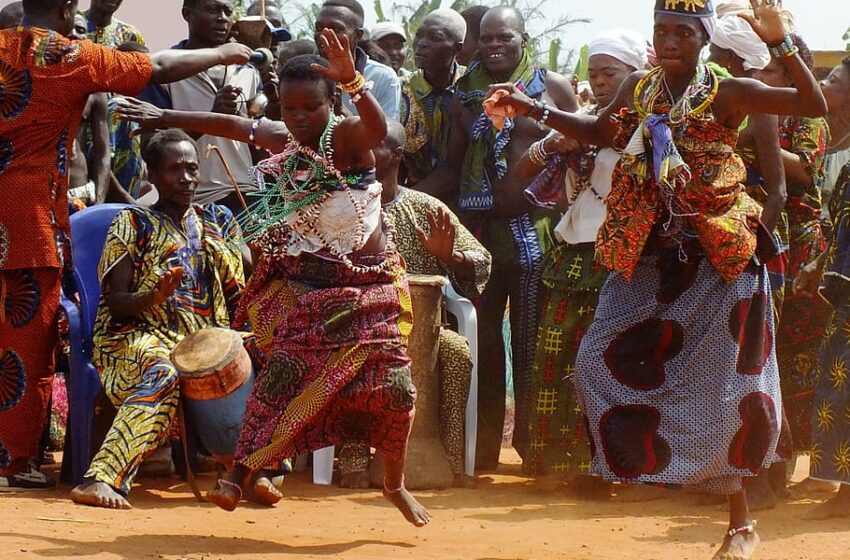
711 203
45 81
29 303
336 366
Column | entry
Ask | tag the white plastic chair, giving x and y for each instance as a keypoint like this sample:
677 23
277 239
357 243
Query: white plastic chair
467 323
323 466
467 326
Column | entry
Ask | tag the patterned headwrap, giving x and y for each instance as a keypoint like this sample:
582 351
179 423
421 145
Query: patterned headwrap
702 9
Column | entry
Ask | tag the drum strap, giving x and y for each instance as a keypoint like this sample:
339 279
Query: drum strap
190 476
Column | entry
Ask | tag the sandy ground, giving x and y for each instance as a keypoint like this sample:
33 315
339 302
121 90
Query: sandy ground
499 520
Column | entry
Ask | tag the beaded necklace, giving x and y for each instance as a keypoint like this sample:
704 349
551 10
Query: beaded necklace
304 191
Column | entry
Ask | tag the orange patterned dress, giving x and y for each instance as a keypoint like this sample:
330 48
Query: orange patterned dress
45 80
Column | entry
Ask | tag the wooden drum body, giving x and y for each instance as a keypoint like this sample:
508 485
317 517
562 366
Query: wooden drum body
216 377
427 465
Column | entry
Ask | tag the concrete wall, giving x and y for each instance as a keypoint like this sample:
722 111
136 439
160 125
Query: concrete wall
160 21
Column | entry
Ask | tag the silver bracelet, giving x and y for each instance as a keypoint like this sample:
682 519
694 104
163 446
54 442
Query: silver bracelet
252 134
545 111
783 49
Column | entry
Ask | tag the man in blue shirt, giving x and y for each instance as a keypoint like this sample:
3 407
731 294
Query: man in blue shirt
345 17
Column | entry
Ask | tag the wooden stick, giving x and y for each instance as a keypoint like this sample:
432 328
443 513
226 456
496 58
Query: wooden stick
263 9
213 148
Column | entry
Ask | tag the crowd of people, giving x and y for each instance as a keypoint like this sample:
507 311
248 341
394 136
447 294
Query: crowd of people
666 244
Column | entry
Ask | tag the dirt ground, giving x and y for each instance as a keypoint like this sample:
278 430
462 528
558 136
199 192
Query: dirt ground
501 519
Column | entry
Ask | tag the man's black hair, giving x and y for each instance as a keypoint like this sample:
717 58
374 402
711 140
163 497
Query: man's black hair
351 5
297 69
155 147
473 16
41 6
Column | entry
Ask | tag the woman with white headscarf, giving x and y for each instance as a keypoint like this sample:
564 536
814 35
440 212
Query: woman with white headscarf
559 450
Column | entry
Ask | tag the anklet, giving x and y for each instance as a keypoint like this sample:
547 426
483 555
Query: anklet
748 529
394 490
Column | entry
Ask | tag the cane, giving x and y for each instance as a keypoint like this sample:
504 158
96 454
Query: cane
213 148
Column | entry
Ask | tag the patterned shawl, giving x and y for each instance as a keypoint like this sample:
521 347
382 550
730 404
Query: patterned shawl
487 147
680 177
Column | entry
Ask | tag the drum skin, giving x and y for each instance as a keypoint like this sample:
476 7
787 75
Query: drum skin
216 377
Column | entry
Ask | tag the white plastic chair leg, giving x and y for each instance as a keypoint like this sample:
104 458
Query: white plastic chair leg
467 320
323 466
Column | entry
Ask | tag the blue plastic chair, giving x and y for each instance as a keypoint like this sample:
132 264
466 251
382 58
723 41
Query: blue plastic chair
88 235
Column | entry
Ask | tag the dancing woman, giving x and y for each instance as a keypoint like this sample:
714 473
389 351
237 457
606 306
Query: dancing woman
328 300
677 375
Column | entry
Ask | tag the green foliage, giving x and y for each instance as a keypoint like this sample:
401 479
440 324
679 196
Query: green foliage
547 45
583 63
846 37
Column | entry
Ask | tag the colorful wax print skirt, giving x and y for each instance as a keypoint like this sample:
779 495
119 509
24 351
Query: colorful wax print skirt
336 366
678 376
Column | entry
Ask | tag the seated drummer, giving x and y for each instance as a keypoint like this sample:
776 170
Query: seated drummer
432 241
166 272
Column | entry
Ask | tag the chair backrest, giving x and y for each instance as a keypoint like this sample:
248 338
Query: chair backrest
88 235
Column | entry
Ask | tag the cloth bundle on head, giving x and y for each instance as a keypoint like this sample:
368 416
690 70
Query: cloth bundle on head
736 35
629 47
734 7
702 9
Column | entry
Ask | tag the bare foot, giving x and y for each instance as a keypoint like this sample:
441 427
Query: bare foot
463 481
760 495
740 547
225 495
412 510
811 486
837 507
634 493
99 494
358 480
589 488
264 492
547 484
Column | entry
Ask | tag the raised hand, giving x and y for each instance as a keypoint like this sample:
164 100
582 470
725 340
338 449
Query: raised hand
337 51
167 284
235 53
766 20
147 115
440 241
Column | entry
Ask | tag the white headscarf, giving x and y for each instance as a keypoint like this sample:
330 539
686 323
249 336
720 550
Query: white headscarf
629 47
736 35
710 24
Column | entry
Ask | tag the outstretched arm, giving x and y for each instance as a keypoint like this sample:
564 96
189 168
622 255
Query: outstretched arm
598 131
268 134
175 65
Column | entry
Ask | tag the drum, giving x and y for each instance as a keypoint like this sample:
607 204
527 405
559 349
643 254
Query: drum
215 380
427 465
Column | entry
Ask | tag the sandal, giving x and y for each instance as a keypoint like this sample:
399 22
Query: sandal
225 495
